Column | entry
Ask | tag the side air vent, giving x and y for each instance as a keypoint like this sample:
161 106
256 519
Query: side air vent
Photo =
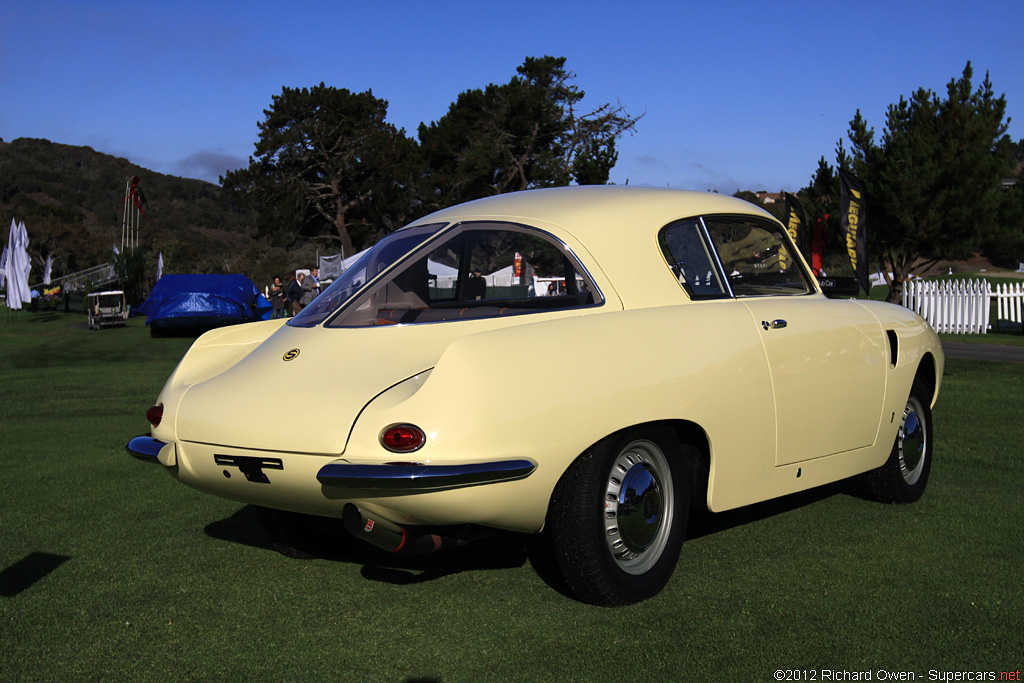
894 347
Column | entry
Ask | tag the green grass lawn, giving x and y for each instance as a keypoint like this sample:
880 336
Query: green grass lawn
111 570
994 338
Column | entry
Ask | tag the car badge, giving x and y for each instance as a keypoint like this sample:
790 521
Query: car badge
291 355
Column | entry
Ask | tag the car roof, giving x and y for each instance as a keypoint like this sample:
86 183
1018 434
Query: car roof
617 225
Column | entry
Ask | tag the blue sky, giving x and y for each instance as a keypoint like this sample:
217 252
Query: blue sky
735 95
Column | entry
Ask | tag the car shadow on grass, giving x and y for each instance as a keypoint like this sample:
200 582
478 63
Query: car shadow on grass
501 550
704 523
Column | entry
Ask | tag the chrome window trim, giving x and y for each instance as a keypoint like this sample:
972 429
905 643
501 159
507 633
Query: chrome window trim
710 246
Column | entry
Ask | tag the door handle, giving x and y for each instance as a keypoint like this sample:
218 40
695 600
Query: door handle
773 325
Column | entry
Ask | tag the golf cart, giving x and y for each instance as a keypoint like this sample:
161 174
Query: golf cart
106 309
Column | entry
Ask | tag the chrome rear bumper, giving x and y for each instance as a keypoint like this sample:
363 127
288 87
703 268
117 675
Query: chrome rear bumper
408 477
418 477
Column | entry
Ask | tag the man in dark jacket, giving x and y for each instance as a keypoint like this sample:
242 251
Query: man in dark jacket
295 294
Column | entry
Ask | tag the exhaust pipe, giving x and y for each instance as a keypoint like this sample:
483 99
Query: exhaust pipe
393 537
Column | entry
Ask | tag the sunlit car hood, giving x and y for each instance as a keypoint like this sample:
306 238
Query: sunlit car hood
307 404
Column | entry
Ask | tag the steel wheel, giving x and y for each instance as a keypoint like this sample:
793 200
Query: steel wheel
912 442
903 477
618 516
639 506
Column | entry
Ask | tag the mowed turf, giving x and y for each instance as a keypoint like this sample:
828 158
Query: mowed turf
111 570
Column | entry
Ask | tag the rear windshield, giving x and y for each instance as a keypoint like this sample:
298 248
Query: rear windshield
371 264
474 270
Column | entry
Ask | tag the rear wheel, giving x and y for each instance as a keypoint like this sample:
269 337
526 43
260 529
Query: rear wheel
903 477
618 516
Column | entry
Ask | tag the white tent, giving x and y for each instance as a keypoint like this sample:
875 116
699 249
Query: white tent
17 268
441 270
46 269
351 260
3 267
160 265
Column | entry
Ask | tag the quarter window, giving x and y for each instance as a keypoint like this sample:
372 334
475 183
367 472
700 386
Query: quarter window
691 260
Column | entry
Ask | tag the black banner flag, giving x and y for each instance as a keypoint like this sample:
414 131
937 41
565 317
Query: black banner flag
796 223
854 223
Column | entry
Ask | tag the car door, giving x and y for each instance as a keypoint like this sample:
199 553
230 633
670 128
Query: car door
827 358
827 363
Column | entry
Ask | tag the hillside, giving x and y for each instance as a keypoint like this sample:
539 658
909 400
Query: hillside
70 199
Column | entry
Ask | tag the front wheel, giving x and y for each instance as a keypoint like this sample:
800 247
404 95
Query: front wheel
618 516
904 475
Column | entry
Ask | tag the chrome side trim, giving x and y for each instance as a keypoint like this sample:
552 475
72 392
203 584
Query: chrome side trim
416 477
144 448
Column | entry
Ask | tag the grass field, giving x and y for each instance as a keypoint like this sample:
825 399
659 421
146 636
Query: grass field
110 570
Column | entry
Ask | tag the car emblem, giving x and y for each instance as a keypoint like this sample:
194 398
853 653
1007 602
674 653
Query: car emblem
291 355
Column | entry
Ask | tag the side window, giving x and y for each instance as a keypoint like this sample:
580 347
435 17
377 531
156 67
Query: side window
756 259
507 265
691 262
475 271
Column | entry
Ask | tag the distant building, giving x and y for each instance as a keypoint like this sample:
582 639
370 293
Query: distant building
768 197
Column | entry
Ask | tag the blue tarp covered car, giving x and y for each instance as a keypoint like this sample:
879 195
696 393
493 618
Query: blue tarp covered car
189 304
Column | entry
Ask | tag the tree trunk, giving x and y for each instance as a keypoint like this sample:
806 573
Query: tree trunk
339 221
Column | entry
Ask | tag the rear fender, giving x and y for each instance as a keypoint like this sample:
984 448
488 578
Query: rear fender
211 354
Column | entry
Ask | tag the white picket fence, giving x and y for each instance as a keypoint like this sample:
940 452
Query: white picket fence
964 306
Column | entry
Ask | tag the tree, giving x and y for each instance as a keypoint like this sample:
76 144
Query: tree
327 165
523 134
932 184
1003 241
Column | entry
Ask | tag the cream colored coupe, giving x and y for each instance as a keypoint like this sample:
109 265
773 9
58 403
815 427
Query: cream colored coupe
589 362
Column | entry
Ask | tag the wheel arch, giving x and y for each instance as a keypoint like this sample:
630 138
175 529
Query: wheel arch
927 374
698 465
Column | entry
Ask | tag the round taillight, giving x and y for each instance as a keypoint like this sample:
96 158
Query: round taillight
402 438
155 414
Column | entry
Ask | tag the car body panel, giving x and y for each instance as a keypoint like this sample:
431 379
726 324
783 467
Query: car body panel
778 410
830 355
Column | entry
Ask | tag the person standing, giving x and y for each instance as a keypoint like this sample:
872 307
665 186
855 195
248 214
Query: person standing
310 288
278 299
476 287
295 293
315 285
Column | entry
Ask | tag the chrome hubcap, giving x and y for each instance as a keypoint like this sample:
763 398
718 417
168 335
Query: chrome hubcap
912 441
638 506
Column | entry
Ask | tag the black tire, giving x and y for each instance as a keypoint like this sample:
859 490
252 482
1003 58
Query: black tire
304 537
613 549
903 477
